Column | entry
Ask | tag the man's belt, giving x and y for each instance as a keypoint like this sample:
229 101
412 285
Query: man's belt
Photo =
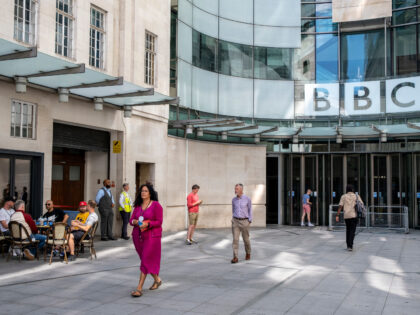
240 218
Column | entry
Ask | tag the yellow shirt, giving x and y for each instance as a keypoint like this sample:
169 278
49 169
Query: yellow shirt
82 218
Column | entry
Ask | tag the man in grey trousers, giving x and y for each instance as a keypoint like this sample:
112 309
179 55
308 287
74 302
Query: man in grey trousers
105 202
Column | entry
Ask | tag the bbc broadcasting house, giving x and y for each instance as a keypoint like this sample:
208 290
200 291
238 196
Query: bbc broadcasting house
280 95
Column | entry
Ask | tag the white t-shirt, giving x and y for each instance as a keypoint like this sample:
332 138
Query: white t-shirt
91 219
5 216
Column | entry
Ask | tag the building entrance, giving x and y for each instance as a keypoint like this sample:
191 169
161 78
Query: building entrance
382 180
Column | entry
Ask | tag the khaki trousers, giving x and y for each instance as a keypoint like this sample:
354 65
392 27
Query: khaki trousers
238 227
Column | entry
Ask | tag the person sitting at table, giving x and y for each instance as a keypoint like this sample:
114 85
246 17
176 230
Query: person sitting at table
76 235
26 220
83 213
54 214
5 214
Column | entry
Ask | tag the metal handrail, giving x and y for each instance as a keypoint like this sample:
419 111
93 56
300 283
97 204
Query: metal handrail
369 212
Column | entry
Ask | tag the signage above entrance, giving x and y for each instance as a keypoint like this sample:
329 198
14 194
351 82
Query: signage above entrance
362 98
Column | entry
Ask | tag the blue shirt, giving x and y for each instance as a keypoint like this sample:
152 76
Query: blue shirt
305 199
242 208
101 193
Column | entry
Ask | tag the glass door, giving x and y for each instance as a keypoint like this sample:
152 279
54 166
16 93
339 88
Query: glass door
311 182
337 176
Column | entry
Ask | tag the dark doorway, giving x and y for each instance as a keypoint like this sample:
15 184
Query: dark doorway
272 190
22 177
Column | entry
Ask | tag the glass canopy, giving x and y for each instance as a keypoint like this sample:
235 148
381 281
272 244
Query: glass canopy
41 69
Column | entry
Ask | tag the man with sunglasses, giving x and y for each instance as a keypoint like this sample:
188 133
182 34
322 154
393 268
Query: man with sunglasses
59 215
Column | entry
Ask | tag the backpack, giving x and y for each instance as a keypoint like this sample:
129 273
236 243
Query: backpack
359 208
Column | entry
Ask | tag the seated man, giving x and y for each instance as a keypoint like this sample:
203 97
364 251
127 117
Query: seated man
26 220
82 215
76 235
56 215
5 214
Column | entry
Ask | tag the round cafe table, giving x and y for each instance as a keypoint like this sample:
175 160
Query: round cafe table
44 229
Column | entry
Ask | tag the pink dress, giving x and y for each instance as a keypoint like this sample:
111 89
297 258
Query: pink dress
148 243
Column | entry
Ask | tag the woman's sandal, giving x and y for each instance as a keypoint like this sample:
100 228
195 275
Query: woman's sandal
136 293
155 285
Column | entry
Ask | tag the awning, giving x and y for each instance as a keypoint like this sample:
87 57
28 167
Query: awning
40 69
236 128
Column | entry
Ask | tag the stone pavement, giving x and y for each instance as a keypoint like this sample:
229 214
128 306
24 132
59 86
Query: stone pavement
292 271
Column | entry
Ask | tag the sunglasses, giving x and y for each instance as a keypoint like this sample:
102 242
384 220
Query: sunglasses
48 204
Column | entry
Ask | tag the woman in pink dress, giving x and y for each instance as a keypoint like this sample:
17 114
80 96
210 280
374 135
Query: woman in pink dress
147 242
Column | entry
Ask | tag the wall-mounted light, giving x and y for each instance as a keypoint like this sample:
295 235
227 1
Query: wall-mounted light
383 137
295 139
189 129
339 138
257 138
21 84
200 132
127 111
63 95
99 103
224 135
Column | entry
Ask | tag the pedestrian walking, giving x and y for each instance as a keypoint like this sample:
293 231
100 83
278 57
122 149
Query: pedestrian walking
241 220
106 204
306 208
193 204
125 209
147 237
348 204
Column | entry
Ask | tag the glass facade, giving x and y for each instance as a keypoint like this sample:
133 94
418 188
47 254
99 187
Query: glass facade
240 53
240 60
405 37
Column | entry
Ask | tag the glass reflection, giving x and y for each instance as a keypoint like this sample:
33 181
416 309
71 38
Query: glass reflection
272 63
235 59
204 51
362 55
304 60
326 58
405 50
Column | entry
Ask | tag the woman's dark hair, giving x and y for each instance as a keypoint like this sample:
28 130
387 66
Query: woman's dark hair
139 200
349 188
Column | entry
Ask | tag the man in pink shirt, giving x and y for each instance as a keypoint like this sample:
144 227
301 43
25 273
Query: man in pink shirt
193 203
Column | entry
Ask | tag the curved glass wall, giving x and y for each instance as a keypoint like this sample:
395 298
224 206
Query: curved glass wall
232 69
240 60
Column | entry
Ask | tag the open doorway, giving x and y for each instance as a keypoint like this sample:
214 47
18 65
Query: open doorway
144 172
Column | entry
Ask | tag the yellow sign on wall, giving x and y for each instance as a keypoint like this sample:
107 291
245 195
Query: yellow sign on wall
116 146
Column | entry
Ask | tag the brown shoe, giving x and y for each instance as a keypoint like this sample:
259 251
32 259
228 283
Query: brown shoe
248 257
234 260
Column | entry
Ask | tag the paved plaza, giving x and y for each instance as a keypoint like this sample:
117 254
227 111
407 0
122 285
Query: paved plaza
292 271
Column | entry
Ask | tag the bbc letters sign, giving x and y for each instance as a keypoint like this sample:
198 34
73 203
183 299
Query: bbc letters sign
362 98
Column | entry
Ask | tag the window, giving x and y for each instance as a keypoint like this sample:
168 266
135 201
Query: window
64 27
362 55
235 59
24 30
97 38
204 51
149 62
272 63
23 120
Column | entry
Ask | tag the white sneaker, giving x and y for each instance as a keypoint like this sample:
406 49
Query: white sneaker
302 224
310 224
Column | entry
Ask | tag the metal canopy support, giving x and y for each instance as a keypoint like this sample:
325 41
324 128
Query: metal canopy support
138 93
117 81
243 128
160 102
68 70
374 128
413 126
269 130
31 53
